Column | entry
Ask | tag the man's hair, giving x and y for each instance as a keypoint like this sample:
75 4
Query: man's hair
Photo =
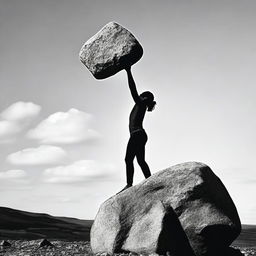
149 100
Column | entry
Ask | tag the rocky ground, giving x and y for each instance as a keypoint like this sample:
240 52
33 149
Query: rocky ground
61 248
247 251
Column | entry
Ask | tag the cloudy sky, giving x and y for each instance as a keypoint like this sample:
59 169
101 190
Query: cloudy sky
63 134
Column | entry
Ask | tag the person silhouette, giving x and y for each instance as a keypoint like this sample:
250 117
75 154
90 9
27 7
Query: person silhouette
138 137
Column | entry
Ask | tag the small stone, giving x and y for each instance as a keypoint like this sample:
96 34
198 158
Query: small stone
45 243
5 244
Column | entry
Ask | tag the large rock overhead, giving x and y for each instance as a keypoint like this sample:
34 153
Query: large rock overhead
183 210
110 50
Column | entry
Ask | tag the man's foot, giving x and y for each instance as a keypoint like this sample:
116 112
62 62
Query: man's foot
127 186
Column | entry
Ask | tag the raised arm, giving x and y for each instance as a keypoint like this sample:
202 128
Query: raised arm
132 86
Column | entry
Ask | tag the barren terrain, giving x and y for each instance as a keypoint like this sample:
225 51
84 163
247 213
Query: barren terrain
69 236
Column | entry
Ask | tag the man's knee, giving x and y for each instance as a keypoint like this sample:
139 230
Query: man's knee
141 162
128 160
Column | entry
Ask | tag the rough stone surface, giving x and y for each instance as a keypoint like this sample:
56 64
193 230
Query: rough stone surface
185 206
5 244
110 50
45 242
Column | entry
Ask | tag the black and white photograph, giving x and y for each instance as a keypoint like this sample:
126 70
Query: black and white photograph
127 128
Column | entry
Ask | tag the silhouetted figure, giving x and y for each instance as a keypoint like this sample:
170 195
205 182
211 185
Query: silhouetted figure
138 136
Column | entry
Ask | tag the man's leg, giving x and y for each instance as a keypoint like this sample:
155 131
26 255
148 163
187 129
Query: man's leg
140 155
129 157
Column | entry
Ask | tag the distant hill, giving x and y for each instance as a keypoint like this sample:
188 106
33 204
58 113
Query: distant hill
16 224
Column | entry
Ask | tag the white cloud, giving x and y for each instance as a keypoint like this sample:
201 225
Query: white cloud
79 171
12 175
45 154
21 111
64 128
8 129
16 118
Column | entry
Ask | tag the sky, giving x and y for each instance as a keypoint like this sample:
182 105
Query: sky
63 134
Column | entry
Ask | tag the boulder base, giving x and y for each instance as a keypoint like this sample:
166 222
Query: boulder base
110 50
183 210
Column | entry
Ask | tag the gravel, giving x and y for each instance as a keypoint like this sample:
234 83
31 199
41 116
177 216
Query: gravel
63 248
60 248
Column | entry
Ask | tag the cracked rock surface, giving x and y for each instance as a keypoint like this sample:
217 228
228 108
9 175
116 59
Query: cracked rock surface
181 210
110 50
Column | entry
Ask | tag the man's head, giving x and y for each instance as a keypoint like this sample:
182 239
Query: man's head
149 99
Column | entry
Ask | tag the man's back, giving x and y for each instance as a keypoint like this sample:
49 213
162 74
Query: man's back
136 117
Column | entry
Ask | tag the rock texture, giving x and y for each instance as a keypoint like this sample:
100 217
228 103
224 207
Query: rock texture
110 50
46 243
5 244
182 210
